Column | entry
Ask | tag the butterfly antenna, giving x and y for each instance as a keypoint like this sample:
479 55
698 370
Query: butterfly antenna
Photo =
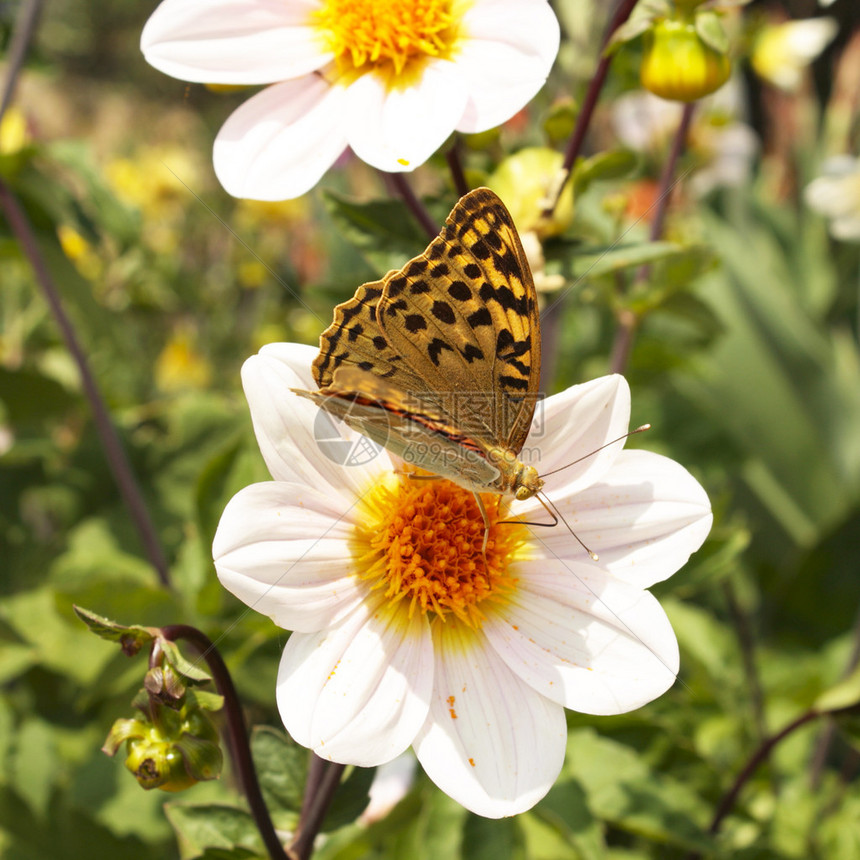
641 429
556 514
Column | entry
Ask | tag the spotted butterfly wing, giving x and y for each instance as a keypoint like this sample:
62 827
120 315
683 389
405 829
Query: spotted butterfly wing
440 360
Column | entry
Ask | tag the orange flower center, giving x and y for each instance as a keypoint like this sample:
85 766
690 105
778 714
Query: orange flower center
421 541
389 34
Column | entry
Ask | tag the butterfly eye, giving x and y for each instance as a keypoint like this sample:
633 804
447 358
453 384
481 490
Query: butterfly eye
524 493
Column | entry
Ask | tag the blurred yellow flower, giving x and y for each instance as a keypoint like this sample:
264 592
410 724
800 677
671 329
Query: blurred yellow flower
252 274
154 179
13 131
80 252
180 366
782 51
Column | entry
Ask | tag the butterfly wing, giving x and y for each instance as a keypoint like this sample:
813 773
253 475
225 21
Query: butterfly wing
463 319
407 426
355 340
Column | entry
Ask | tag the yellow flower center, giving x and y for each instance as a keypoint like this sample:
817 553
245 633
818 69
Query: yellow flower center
421 541
365 35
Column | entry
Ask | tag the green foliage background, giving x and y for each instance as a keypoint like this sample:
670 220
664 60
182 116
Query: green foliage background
746 363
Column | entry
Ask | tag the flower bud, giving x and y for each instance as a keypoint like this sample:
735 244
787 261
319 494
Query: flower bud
174 751
679 65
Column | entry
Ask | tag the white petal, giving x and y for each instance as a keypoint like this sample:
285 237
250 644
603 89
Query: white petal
490 742
644 519
283 549
233 41
296 438
586 640
847 228
807 38
398 129
572 425
358 693
510 48
279 143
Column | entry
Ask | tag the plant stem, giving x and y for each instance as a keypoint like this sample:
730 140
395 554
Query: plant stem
667 177
628 321
455 165
110 441
323 780
237 733
758 757
822 748
583 119
25 26
398 182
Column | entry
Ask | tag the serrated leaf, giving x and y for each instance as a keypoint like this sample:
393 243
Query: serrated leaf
207 826
282 768
622 789
384 231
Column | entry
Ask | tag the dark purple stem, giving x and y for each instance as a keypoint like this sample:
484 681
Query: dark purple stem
757 758
323 780
667 177
237 733
627 320
398 182
110 441
25 26
455 165
595 85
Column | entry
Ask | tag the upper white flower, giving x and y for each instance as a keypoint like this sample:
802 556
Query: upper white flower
405 633
836 195
390 78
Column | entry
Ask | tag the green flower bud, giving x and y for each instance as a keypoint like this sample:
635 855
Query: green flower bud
176 750
679 65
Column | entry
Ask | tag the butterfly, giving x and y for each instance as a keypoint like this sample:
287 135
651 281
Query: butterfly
439 361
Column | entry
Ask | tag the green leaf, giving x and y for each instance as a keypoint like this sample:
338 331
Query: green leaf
710 28
384 231
486 839
30 398
613 164
351 798
622 789
282 769
132 638
195 669
36 764
199 827
845 694
565 819
588 263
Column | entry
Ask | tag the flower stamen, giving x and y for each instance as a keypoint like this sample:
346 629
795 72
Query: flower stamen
421 542
369 34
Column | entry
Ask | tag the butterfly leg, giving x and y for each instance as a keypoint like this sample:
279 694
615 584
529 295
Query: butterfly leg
483 511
